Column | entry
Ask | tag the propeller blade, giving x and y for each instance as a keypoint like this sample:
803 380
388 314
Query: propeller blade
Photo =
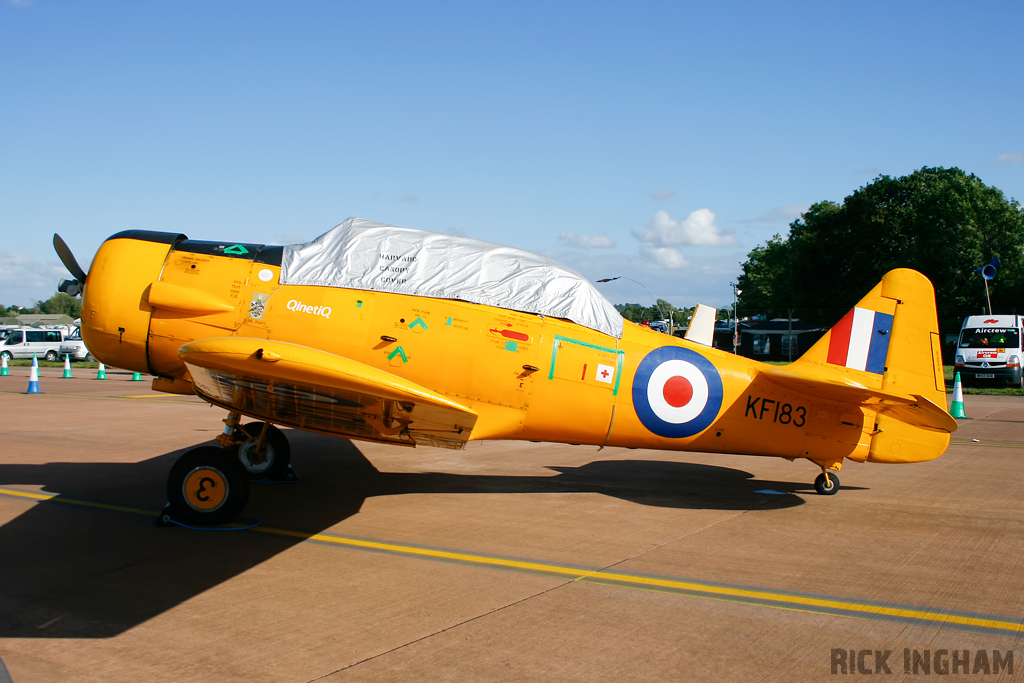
67 258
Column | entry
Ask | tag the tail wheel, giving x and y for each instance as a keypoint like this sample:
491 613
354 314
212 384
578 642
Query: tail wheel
207 486
827 486
277 454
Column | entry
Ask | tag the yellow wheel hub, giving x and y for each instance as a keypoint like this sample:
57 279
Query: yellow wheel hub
205 488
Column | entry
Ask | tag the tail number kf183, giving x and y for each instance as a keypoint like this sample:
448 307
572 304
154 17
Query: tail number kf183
769 409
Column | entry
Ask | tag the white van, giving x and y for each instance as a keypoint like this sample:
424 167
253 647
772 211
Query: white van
74 348
989 350
25 342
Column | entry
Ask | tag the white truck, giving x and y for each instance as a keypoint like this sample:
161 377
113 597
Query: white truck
988 352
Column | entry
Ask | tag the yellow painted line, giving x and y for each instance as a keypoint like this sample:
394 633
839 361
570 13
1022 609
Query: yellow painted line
766 598
162 397
646 581
990 444
46 497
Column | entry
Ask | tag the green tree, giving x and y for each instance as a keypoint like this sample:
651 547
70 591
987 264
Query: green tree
942 222
660 311
61 303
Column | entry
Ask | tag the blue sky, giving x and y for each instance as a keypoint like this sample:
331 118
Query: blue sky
660 141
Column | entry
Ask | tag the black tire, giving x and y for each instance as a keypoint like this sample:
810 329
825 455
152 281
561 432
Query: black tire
51 356
7 355
207 486
827 487
276 458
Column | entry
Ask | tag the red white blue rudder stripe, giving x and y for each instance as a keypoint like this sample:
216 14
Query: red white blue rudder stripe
676 392
860 340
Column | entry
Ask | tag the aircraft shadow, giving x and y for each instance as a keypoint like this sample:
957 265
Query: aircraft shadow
100 572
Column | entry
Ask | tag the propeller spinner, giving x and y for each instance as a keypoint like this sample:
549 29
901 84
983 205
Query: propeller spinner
72 287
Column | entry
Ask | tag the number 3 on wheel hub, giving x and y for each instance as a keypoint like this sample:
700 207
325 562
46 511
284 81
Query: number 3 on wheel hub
207 486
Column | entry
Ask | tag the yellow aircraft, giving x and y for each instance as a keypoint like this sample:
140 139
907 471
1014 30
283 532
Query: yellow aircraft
406 337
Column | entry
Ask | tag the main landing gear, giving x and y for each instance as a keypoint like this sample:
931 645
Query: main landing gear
827 483
206 486
210 485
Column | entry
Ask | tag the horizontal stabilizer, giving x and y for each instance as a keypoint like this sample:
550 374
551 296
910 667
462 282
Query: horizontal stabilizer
913 409
302 387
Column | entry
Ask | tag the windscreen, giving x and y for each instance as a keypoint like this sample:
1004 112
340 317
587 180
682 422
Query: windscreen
989 337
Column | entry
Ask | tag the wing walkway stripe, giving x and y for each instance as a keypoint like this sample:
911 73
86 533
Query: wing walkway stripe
819 604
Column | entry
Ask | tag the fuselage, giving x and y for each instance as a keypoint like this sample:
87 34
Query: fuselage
527 376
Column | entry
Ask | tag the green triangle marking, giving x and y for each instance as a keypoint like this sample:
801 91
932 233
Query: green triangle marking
237 249
399 351
418 321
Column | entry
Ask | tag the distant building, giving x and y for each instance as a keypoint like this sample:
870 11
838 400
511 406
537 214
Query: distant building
776 340
723 335
41 319
779 339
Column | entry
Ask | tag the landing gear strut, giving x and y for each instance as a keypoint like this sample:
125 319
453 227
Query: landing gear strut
264 451
261 448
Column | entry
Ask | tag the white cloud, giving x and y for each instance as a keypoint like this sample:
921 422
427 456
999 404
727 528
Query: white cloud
15 269
1011 158
24 281
696 230
661 239
573 239
662 195
666 257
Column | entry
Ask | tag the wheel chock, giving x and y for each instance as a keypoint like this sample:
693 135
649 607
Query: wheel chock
287 477
166 517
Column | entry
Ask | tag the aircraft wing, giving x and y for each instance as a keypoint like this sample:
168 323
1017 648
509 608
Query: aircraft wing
310 389
910 408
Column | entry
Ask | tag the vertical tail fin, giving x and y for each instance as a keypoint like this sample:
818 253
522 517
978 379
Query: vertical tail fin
890 340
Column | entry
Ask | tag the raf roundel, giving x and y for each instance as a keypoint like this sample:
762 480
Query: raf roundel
676 392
